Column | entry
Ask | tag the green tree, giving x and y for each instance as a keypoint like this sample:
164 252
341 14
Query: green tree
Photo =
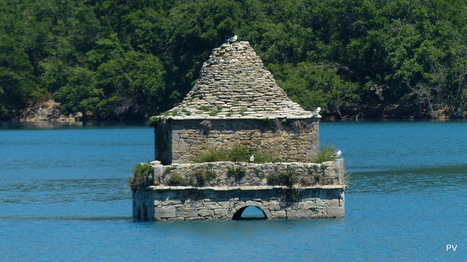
17 81
80 93
131 59
314 85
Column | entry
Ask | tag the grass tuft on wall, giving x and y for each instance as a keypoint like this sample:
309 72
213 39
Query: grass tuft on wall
140 177
237 153
325 154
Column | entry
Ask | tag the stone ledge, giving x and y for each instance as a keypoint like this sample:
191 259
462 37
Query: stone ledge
245 188
306 164
222 117
254 175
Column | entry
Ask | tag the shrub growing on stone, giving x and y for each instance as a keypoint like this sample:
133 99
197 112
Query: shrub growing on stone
201 177
305 181
263 156
178 180
283 178
211 155
237 153
325 154
236 172
140 177
317 177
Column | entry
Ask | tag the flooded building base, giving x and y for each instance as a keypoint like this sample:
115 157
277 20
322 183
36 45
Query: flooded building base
306 198
222 203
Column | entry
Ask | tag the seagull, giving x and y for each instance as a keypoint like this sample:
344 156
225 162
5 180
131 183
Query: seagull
232 39
252 158
316 112
337 154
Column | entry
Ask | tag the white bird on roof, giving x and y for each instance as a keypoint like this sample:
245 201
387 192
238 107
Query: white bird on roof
316 112
337 154
232 39
252 158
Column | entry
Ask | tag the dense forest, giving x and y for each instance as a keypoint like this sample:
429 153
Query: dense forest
114 59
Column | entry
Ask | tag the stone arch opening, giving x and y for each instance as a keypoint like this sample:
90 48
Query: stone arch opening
260 213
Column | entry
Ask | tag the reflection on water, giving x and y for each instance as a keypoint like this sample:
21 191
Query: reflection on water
39 125
4 125
415 179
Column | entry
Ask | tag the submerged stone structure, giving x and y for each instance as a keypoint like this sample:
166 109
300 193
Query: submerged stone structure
236 105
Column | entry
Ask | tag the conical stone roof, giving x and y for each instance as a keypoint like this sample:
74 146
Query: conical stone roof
234 84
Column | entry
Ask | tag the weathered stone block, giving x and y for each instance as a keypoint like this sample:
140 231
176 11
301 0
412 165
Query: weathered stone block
335 211
172 202
190 212
206 212
250 203
322 202
210 205
165 212
279 214
333 202
308 204
220 212
274 205
298 213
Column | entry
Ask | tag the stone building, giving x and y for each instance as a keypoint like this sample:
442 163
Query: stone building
236 102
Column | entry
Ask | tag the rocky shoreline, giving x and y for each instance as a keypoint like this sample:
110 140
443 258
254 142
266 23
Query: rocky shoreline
49 110
390 111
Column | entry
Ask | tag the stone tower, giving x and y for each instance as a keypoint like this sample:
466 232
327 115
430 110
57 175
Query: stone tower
235 100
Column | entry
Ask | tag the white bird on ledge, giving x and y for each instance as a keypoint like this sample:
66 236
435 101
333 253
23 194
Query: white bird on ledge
316 112
232 39
337 154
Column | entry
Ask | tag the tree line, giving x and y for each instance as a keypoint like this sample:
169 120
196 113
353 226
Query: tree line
113 59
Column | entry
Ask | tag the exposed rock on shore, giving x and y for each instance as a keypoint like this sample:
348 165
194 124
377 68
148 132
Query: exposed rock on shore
49 110
390 111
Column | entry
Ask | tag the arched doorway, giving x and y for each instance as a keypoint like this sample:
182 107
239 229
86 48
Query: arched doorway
251 213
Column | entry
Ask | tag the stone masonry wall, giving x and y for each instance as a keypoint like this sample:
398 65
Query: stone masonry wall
288 139
316 192
247 174
188 203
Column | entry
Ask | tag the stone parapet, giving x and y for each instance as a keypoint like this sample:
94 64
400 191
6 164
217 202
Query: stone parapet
225 173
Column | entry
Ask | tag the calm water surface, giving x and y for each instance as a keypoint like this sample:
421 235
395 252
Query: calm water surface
64 197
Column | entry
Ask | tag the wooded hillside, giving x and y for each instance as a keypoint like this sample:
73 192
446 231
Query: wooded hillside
132 59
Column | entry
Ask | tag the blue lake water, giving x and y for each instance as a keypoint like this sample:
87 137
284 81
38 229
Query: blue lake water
64 197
